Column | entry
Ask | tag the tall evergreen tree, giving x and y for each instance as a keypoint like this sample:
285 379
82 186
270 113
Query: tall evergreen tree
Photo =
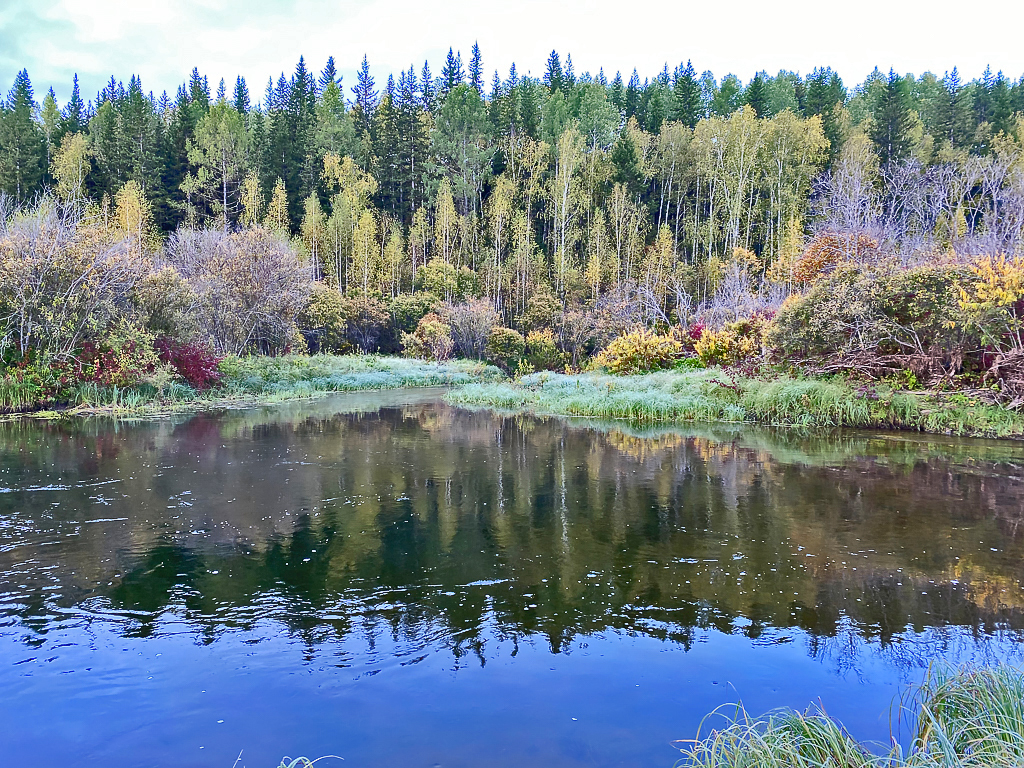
22 148
892 121
756 96
241 96
823 94
553 77
617 92
329 75
365 102
74 111
631 102
428 90
686 96
953 111
452 74
476 70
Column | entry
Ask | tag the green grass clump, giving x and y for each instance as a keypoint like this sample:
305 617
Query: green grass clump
972 718
783 740
18 395
303 376
712 394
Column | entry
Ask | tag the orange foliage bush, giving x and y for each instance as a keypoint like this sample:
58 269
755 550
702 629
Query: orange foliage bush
827 250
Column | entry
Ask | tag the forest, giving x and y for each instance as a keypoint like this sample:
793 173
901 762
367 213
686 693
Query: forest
565 222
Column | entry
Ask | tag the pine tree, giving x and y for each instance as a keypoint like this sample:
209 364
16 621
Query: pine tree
568 76
617 92
74 111
756 96
631 102
328 76
892 121
451 73
476 70
553 77
241 96
22 147
686 96
427 89
953 112
823 94
365 102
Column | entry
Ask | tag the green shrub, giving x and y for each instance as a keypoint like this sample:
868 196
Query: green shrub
432 339
639 352
505 347
407 309
735 343
542 351
324 320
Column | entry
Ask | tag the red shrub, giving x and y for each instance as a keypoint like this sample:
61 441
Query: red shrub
195 362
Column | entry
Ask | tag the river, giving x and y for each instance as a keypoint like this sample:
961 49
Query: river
395 581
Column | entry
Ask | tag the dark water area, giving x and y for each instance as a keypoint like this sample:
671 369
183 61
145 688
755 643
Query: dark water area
398 582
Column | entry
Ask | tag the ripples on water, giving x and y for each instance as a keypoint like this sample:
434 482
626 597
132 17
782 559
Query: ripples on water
396 581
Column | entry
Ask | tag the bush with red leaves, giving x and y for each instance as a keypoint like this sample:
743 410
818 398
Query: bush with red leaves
195 362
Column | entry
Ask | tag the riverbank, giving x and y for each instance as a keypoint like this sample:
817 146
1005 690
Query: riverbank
717 395
967 719
262 379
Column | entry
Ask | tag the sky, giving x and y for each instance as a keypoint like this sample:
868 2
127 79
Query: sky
162 40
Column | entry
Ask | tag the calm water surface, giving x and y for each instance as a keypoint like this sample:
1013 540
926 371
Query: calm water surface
398 582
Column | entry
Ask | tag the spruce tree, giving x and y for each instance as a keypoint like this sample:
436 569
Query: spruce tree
74 111
686 96
240 97
366 100
756 96
953 111
892 121
617 92
631 102
329 75
476 70
22 148
428 90
553 77
451 73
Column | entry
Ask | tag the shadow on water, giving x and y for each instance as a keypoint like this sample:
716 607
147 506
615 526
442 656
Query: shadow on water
392 533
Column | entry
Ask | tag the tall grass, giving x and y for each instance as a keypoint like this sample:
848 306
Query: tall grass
714 395
302 376
18 395
972 718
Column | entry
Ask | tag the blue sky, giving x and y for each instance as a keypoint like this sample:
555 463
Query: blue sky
161 40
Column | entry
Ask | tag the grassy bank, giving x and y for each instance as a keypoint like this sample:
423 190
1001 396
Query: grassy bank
715 395
967 719
259 379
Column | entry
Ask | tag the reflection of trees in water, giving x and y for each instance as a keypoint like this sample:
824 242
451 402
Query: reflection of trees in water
428 527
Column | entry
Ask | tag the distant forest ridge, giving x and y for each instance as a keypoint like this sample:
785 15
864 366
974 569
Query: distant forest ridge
549 169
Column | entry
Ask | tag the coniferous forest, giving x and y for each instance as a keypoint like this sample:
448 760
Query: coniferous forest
870 229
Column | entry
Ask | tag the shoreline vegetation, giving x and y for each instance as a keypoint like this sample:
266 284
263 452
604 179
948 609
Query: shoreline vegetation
971 718
718 395
784 251
261 380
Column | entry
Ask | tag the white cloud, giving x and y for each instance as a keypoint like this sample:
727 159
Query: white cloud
162 40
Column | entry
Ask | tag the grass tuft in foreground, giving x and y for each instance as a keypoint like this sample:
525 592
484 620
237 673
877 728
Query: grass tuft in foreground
715 395
973 718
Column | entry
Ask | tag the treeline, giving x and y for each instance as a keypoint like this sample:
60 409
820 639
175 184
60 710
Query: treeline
576 182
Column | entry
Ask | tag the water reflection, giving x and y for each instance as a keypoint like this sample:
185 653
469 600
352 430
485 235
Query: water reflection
390 531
